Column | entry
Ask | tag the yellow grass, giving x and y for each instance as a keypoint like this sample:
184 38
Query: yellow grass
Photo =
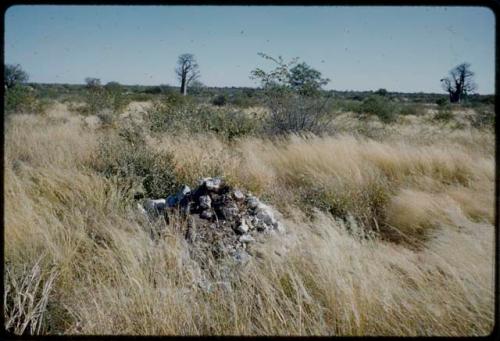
327 276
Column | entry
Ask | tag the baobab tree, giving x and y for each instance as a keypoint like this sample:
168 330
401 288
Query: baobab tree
459 83
187 71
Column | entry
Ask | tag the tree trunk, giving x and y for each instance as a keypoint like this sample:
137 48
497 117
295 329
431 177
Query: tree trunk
183 86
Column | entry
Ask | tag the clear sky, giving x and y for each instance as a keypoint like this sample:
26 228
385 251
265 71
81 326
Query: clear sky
404 49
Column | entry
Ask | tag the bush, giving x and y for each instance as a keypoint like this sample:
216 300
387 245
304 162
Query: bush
228 124
100 99
291 112
442 102
22 99
219 100
380 107
187 117
136 167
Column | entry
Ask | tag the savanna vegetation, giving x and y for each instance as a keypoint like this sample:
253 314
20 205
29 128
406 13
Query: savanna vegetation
387 198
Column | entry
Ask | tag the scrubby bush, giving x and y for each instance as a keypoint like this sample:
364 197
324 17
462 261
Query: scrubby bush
219 100
98 99
294 113
442 102
188 117
380 107
292 94
22 99
228 124
135 166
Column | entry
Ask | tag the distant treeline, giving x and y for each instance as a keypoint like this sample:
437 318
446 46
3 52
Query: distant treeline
55 91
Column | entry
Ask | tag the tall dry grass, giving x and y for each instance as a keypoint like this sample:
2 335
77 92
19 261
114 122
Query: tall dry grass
428 269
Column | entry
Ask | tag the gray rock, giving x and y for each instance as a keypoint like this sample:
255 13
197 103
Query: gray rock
279 227
206 214
264 213
230 212
205 201
241 256
238 195
252 202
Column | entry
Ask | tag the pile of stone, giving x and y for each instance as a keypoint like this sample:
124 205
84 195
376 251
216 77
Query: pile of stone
225 220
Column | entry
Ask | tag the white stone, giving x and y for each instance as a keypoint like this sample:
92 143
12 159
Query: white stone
246 238
242 227
238 195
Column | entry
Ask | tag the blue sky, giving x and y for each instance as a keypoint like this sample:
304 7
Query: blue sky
404 49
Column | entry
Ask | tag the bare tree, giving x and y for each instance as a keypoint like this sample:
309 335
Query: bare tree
187 71
459 83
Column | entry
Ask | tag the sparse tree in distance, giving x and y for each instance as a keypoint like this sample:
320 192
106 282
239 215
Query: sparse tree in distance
187 71
381 92
92 83
459 83
14 74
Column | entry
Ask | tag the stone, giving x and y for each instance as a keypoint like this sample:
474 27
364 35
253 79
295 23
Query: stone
211 184
241 256
155 206
252 202
264 213
205 202
230 212
279 227
238 195
242 227
246 238
206 214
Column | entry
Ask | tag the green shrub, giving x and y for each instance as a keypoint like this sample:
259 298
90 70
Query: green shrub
22 99
187 117
136 167
99 99
380 107
442 102
219 100
228 124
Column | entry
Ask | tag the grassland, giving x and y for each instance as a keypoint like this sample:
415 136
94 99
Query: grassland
390 231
